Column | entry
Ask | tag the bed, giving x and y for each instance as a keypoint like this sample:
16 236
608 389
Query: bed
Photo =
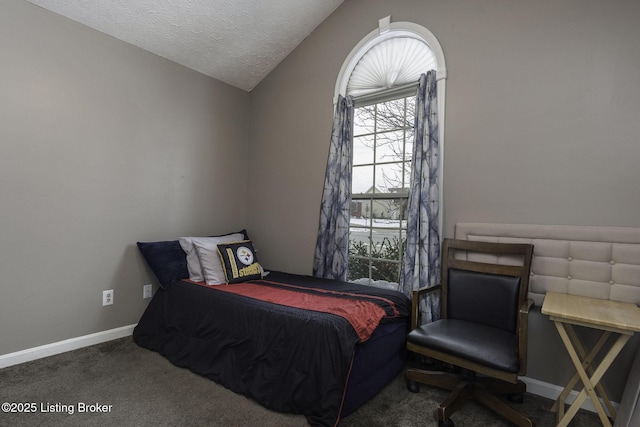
293 343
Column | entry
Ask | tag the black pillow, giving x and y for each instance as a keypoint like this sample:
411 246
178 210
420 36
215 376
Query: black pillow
166 259
239 261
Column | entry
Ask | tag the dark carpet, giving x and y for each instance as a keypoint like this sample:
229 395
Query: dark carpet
119 383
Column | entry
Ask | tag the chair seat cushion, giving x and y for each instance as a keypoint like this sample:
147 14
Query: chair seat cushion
482 344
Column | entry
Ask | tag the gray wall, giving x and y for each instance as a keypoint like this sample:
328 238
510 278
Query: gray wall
542 126
101 145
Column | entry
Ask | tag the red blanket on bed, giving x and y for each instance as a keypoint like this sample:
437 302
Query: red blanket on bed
364 316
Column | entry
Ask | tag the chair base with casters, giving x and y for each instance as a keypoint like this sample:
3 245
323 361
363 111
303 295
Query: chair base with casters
482 330
466 386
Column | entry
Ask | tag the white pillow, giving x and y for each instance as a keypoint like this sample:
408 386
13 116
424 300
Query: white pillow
193 261
207 250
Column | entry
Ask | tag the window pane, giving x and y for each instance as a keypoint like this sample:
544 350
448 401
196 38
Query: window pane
411 110
408 149
389 146
407 176
384 211
385 270
360 242
358 268
401 212
389 177
362 179
403 238
363 149
364 120
387 214
360 214
390 115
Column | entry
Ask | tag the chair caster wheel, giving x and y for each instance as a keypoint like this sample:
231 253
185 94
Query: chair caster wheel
516 397
413 386
445 423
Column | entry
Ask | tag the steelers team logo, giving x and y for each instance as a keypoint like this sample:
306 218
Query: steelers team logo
244 255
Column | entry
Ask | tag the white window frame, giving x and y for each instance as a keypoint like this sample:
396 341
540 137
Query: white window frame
385 31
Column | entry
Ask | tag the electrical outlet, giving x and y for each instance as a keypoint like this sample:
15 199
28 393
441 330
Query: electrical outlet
107 297
147 291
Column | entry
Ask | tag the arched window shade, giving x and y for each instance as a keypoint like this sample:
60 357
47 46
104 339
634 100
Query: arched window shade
391 63
393 55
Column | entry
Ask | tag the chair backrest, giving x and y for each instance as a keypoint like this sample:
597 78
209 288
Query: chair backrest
485 292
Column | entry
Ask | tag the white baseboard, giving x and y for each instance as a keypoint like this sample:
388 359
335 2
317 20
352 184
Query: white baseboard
552 391
64 346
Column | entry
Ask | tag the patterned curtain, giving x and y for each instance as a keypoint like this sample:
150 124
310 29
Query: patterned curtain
332 245
421 266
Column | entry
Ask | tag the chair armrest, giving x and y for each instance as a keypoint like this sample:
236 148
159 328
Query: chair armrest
526 306
415 302
523 333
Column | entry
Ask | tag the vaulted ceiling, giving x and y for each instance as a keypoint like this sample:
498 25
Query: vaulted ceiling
236 41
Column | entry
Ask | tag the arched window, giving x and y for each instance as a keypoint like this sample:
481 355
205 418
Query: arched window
401 57
381 74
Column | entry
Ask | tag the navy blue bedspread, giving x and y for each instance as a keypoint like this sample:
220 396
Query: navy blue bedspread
287 359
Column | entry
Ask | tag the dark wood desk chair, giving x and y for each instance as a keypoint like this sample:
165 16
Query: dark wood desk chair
482 329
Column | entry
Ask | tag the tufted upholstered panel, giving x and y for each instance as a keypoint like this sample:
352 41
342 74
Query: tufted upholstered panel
600 262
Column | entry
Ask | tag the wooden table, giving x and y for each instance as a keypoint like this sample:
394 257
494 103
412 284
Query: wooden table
611 317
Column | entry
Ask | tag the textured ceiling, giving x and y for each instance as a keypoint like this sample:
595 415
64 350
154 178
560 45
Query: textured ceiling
236 41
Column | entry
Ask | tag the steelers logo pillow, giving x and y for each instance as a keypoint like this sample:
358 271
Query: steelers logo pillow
239 261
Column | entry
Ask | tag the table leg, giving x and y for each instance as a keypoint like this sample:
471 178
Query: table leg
588 382
600 391
586 363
